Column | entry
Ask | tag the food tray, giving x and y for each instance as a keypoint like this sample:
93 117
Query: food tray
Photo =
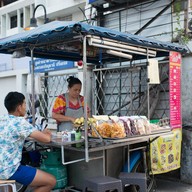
163 130
109 138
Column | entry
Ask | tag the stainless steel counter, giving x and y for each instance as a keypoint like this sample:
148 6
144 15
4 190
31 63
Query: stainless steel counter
106 157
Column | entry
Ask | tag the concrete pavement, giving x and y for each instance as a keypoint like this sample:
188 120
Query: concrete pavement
171 185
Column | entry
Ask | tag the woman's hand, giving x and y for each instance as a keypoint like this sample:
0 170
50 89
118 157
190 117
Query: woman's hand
62 118
72 119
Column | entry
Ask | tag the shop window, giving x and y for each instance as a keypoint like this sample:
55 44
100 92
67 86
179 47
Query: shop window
65 18
13 21
21 20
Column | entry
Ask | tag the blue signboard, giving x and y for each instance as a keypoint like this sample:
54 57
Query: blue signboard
97 2
46 65
92 1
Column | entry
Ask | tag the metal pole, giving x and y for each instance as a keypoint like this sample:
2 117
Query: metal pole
131 89
104 161
186 16
46 93
85 82
128 160
145 160
32 87
148 89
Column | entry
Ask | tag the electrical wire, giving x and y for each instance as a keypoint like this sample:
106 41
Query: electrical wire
84 15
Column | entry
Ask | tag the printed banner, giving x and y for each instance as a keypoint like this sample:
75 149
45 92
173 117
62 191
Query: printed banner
46 65
165 152
175 89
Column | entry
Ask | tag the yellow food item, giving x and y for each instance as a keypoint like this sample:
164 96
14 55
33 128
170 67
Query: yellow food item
104 129
82 119
79 121
117 131
109 130
91 121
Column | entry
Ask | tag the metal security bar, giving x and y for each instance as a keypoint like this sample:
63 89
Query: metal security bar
123 91
116 91
51 87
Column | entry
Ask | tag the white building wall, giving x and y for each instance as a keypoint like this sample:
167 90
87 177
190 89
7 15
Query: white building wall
13 72
55 9
11 81
16 8
61 8
186 85
131 20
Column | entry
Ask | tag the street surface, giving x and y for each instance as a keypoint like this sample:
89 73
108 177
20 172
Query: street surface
163 184
166 185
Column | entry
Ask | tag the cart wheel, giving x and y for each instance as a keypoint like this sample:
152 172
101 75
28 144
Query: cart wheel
151 183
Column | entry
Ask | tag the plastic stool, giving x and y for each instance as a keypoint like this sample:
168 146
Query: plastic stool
6 183
102 183
139 179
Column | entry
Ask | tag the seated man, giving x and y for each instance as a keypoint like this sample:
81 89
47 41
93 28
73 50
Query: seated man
14 129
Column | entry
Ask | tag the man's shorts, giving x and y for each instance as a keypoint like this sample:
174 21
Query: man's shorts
24 174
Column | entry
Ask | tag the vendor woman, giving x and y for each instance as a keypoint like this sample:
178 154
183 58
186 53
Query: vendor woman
69 106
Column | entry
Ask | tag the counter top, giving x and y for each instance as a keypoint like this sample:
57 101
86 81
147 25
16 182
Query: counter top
106 143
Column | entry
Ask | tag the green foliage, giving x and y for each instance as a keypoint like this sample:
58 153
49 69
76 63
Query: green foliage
181 34
177 6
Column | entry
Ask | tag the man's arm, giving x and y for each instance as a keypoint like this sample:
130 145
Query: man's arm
41 136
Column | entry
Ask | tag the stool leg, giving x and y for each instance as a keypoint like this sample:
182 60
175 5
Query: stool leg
143 187
7 188
85 189
13 187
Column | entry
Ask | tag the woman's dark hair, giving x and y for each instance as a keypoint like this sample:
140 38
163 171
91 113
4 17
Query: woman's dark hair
73 81
12 100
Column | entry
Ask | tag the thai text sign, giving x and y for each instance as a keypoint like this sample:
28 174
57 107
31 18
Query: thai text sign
46 65
165 152
175 89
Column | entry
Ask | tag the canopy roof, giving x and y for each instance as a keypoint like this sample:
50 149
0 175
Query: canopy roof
64 40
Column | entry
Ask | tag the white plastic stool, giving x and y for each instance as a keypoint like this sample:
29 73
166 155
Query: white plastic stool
6 183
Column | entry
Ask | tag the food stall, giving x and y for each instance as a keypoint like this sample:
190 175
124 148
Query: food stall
95 45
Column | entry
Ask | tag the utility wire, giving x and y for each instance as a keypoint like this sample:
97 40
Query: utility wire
84 15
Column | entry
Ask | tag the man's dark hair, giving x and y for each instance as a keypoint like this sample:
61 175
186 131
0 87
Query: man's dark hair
12 100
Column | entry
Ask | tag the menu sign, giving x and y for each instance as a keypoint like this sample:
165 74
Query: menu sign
175 89
165 152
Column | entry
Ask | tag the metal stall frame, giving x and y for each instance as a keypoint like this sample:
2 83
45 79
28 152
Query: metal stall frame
79 41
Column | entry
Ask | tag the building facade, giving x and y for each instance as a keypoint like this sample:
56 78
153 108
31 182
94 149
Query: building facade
15 17
162 20
168 21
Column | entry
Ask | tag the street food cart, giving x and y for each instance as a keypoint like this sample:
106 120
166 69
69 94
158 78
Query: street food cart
97 46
